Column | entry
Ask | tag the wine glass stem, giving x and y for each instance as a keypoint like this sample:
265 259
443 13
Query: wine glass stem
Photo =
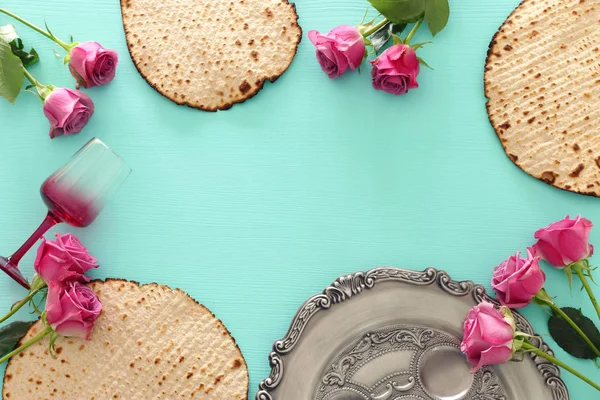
48 223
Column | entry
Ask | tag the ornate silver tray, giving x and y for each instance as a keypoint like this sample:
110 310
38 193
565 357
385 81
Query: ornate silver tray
394 334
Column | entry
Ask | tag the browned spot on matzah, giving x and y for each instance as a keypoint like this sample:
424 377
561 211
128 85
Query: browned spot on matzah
549 177
575 173
245 87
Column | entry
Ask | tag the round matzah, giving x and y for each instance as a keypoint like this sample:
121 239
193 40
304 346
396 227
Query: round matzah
542 79
150 342
210 54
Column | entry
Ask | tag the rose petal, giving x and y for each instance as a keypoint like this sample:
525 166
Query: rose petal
492 356
495 330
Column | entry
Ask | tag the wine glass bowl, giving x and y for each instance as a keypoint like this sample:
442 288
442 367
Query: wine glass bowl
75 194
78 191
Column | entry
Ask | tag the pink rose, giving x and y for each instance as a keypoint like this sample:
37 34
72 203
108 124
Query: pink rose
517 280
68 111
395 71
340 49
64 259
488 336
72 309
565 242
93 65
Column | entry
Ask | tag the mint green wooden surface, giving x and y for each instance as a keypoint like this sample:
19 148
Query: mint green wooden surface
254 209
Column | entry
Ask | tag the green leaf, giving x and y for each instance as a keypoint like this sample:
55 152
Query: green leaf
11 73
11 334
437 13
27 58
568 339
397 39
422 62
417 46
400 11
10 36
380 38
49 31
569 273
53 338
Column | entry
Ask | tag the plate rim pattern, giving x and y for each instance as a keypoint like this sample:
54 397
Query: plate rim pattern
351 285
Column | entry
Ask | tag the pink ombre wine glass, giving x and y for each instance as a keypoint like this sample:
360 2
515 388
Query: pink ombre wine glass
75 194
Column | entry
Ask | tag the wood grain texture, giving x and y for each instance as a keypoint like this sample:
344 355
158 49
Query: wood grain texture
254 209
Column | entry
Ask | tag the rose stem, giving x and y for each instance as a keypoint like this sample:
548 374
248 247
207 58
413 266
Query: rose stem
38 29
413 31
25 345
375 28
37 285
564 316
18 306
529 347
587 287
42 90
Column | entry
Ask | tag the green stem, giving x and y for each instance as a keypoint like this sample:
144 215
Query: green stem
375 28
34 290
413 31
42 90
37 29
579 271
569 321
27 344
529 347
30 78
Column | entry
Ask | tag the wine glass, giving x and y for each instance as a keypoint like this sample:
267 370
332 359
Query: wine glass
75 194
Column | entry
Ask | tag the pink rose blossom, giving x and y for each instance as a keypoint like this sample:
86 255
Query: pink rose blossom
565 242
488 336
68 111
72 309
340 49
93 65
63 259
395 71
517 280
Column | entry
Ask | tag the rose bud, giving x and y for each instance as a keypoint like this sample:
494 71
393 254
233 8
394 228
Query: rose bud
92 65
395 71
72 309
63 259
68 111
565 242
488 336
338 50
518 280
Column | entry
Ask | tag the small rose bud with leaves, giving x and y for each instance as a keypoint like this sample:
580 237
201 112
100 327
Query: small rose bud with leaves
64 259
491 337
488 336
338 50
395 71
565 242
92 65
518 280
72 309
68 111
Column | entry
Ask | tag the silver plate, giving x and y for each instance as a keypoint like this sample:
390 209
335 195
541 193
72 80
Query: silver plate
394 334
